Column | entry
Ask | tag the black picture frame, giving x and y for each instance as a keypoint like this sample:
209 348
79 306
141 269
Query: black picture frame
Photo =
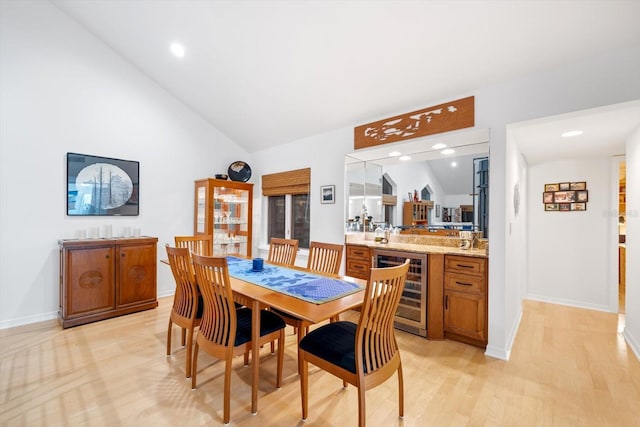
102 186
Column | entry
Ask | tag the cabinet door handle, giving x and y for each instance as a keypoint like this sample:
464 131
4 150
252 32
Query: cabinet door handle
464 284
446 302
464 265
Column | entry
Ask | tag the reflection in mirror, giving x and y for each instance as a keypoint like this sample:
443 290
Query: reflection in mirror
431 191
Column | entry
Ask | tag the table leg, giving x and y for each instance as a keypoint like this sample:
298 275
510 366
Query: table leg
255 357
301 333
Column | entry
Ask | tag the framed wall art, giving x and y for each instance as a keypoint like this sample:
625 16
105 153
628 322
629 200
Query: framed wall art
565 196
102 186
328 194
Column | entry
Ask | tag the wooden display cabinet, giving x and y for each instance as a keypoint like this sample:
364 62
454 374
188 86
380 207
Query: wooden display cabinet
224 210
105 278
465 299
416 213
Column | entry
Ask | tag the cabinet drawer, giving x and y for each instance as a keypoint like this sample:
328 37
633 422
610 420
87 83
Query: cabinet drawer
358 252
464 282
358 268
465 265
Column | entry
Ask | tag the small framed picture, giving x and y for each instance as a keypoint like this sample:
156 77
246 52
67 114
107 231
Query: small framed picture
582 196
551 207
564 197
565 207
552 187
578 206
564 186
578 185
327 194
547 197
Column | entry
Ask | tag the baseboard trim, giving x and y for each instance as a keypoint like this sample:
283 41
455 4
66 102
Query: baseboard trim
570 303
633 342
27 320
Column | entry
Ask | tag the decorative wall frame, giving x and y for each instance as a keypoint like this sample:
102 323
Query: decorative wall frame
565 196
102 186
327 194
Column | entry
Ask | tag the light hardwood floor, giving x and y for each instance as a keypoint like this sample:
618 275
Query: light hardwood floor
568 367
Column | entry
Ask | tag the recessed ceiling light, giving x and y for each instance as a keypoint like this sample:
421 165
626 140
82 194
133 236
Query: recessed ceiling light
572 133
448 151
438 146
177 49
405 157
454 164
394 154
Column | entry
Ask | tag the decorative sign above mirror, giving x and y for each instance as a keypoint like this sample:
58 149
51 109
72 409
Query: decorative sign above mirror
446 117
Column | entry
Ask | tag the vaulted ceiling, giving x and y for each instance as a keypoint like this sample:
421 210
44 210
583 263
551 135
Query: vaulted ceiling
270 72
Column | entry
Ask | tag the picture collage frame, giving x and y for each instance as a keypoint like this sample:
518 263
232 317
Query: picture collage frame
565 196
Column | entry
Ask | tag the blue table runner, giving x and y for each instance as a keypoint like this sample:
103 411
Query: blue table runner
306 286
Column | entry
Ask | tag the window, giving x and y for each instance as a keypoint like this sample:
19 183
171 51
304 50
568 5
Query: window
288 205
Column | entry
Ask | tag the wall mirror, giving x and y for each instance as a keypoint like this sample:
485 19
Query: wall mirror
451 187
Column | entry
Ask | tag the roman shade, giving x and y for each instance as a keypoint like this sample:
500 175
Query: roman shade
291 182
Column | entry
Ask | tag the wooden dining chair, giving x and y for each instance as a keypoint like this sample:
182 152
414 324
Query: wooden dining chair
225 330
364 354
282 251
201 244
323 258
186 311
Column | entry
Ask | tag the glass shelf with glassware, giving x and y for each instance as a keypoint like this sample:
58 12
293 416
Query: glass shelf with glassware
224 210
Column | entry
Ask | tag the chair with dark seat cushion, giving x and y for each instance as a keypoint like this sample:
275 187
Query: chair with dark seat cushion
225 330
323 258
186 311
364 355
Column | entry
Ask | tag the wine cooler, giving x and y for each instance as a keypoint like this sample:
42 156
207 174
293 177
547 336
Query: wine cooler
412 311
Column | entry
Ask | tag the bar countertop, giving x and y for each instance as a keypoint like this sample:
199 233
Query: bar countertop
419 244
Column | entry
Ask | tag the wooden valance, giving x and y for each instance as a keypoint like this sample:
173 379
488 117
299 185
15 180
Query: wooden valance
446 117
291 182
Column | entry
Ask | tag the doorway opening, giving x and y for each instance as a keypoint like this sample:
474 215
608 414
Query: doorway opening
622 235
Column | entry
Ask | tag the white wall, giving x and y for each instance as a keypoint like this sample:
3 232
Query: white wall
632 302
569 251
64 91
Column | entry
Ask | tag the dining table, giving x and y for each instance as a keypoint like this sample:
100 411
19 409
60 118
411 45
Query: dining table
259 296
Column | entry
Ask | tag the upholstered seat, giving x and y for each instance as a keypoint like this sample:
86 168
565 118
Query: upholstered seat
364 355
223 323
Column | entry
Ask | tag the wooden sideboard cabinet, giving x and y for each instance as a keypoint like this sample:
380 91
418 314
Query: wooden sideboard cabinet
465 299
106 278
358 260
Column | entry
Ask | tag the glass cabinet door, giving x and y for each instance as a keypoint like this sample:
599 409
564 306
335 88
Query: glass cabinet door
230 221
223 209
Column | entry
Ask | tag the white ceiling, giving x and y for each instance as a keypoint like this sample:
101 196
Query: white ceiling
270 72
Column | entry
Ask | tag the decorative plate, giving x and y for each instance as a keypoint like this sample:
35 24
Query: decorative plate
239 171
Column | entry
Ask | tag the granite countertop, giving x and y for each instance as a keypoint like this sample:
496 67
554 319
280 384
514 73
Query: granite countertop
414 244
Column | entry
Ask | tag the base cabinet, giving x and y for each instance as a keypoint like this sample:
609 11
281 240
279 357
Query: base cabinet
358 260
100 279
465 299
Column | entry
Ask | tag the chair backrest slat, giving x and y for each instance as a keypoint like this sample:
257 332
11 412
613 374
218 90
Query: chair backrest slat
201 244
325 257
282 251
375 337
185 301
219 321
